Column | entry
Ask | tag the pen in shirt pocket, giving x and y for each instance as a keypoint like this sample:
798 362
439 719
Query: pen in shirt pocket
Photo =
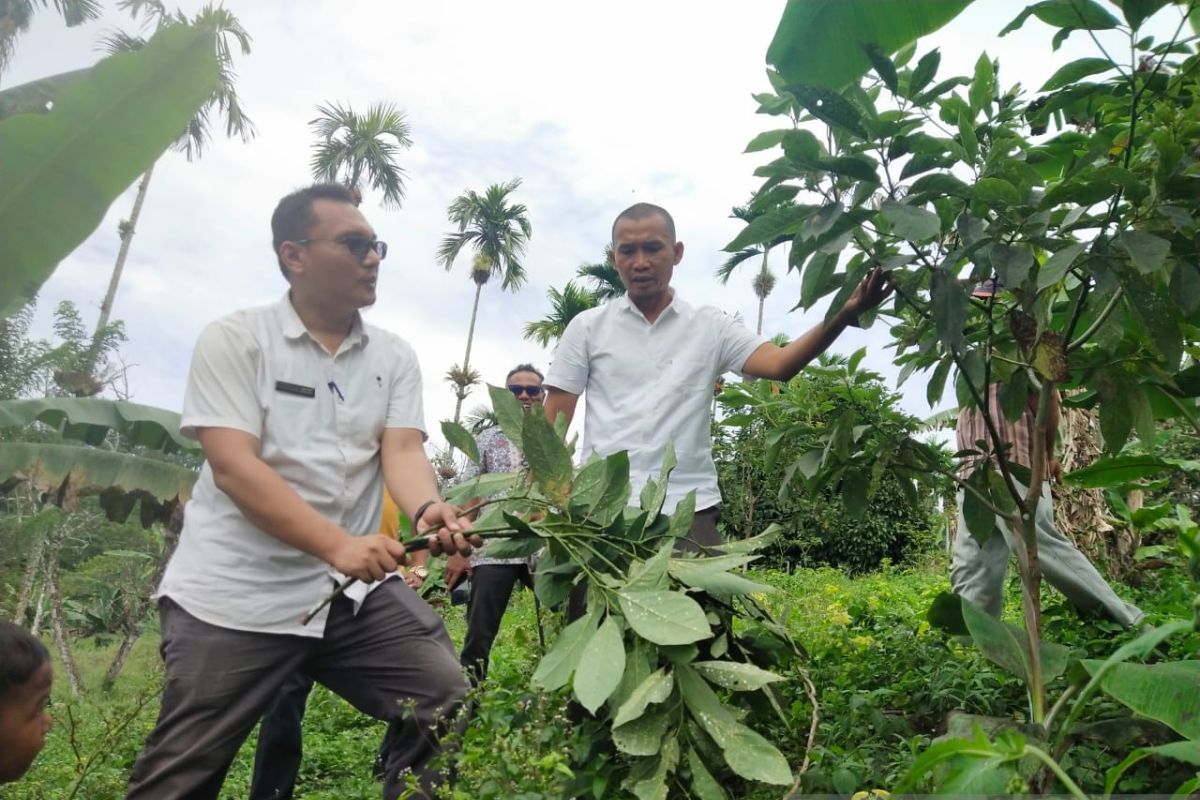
333 389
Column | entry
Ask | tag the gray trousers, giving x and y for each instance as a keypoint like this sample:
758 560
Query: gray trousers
393 661
977 571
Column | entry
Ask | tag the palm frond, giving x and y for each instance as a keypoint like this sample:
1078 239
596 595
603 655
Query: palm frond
606 281
118 41
565 305
351 146
724 271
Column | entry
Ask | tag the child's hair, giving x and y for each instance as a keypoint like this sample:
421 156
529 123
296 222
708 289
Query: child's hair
21 654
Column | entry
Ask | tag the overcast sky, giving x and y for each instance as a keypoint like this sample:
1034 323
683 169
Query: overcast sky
594 106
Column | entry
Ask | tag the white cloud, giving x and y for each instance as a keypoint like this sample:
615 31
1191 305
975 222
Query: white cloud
595 106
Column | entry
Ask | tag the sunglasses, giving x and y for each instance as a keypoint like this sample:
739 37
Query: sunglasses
358 246
532 391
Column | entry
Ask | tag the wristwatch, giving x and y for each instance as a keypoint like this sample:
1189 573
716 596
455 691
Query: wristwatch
420 571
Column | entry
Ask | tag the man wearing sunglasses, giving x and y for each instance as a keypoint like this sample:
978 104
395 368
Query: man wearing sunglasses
305 413
493 579
648 360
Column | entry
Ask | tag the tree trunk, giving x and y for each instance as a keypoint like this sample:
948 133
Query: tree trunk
761 302
38 609
467 358
60 628
133 623
29 578
1083 514
122 254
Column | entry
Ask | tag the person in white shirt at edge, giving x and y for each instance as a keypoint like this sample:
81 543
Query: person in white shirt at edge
304 413
647 362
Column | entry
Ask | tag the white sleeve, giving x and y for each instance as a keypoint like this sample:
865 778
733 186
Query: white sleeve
570 366
222 385
737 342
406 406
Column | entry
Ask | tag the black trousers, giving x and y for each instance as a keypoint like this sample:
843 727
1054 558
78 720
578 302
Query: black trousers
491 589
393 661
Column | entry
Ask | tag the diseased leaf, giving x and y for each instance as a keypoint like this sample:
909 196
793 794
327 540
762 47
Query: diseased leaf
642 736
664 617
831 108
548 458
737 676
656 688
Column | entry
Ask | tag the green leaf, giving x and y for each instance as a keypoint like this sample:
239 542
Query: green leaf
945 614
460 437
1007 645
34 97
754 543
120 479
703 783
1055 268
766 140
977 513
882 65
611 504
1185 751
486 484
830 107
1011 263
682 516
509 414
1014 395
1118 471
1147 251
983 84
62 169
817 280
1084 15
1158 319
557 665
90 419
651 574
656 688
735 676
747 753
664 617
1079 68
995 192
1168 692
548 458
910 222
600 666
924 72
643 736
948 304
825 43
770 225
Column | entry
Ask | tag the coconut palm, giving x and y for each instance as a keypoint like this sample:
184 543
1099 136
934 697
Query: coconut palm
606 281
352 146
565 304
499 231
15 16
764 281
227 31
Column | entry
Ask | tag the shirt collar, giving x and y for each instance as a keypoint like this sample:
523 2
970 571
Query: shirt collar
293 327
676 305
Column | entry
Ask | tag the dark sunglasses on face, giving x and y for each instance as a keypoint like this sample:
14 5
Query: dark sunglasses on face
532 391
358 246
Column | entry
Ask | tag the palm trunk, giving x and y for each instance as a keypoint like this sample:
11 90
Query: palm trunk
462 393
60 628
28 579
119 267
761 301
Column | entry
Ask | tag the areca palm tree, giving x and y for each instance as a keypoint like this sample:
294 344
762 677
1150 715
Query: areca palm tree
565 304
764 281
606 281
352 146
16 14
224 102
499 231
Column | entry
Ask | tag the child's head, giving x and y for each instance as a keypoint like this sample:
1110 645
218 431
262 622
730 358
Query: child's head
25 678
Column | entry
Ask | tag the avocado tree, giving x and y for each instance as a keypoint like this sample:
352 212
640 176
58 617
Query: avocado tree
1081 199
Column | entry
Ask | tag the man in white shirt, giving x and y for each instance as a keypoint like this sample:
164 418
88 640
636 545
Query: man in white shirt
648 360
304 412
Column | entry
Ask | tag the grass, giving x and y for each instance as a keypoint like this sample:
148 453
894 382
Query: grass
886 682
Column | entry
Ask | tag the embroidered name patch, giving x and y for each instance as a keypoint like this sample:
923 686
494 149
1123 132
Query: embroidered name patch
295 388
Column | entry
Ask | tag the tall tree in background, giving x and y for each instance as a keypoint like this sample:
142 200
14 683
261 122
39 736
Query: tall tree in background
15 16
764 280
499 231
565 305
227 32
352 147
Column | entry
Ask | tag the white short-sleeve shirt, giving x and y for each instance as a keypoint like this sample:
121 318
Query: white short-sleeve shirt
320 420
647 384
